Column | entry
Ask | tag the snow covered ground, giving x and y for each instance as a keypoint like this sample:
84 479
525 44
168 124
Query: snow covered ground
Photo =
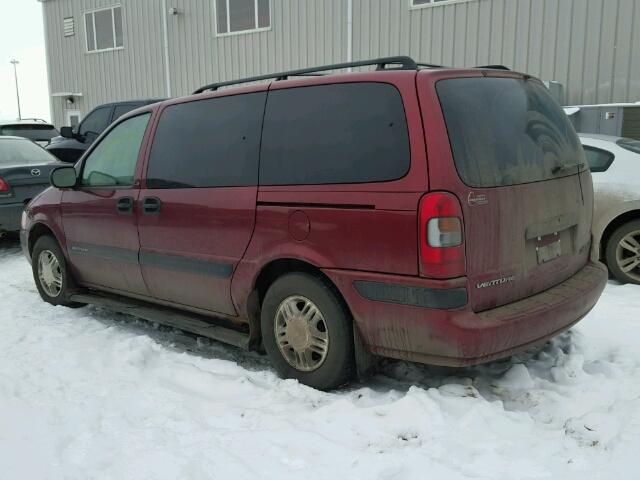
91 394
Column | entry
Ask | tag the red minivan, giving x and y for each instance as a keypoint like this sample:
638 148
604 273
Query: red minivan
436 215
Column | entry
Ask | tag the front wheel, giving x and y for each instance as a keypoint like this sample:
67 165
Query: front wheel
307 332
623 253
51 273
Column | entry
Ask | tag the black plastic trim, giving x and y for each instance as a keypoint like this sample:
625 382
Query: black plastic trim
154 260
441 299
102 251
186 265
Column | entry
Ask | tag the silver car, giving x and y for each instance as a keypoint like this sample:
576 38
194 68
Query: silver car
615 168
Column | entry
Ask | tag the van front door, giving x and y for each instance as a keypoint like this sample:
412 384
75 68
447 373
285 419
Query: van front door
98 216
197 207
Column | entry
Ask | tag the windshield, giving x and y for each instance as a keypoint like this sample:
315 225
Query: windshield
16 152
37 133
629 144
507 131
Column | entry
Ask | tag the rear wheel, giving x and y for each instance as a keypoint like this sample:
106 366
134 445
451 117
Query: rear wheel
307 332
623 253
51 274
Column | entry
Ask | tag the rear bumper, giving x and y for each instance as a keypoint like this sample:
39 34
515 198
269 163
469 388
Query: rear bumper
10 216
460 337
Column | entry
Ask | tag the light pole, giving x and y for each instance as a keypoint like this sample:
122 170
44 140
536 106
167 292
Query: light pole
15 73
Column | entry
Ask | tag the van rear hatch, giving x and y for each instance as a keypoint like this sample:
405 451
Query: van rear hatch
522 182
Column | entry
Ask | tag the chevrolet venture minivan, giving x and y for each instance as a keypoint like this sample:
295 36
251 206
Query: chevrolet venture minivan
435 215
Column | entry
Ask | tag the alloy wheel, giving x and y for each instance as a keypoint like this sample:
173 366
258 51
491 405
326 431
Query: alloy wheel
301 333
49 273
628 255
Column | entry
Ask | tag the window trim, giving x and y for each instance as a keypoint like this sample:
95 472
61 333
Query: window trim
103 135
228 33
113 29
435 3
609 154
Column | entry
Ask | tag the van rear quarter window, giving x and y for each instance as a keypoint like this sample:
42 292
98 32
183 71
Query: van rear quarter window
338 133
208 143
507 131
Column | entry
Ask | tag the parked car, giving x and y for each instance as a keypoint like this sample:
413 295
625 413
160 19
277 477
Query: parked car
429 214
34 129
24 172
615 165
72 143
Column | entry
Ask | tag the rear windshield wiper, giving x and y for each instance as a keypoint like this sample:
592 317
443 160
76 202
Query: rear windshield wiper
562 168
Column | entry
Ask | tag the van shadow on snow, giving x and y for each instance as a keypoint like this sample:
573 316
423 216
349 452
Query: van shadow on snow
9 244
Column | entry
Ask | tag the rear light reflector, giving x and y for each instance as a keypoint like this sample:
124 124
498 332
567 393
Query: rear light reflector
4 186
441 236
444 232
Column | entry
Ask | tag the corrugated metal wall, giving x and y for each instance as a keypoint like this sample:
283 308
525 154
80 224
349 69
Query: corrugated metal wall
303 33
133 72
587 45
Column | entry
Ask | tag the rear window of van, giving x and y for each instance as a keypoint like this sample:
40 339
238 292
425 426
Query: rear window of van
506 131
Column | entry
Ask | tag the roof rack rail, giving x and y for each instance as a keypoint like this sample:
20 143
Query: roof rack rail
493 67
23 119
404 62
429 65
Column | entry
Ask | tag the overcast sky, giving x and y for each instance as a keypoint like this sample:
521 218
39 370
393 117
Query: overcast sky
22 38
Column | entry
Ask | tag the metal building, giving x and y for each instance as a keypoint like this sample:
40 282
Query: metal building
106 50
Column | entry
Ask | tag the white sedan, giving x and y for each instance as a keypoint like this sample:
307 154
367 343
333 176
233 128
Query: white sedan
615 168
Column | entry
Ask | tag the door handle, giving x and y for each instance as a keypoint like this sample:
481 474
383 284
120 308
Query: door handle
125 205
151 205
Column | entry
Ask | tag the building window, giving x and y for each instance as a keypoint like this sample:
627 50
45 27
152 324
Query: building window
426 3
104 29
238 16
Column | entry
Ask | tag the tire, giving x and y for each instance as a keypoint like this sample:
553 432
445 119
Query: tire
300 351
620 257
48 247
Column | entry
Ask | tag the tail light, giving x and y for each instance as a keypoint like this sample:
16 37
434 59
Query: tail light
4 186
441 236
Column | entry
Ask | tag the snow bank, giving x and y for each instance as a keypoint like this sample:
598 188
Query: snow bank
91 394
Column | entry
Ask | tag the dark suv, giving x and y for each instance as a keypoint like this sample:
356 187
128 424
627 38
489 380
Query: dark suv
431 214
70 146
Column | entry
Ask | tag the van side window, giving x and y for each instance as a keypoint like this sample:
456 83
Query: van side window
340 133
208 143
113 161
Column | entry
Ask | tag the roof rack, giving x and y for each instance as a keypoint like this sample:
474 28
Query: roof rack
384 63
405 63
32 120
493 67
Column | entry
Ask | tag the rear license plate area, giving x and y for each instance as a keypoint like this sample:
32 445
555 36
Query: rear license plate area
549 252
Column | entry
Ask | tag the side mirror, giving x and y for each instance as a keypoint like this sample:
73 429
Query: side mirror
64 177
67 132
